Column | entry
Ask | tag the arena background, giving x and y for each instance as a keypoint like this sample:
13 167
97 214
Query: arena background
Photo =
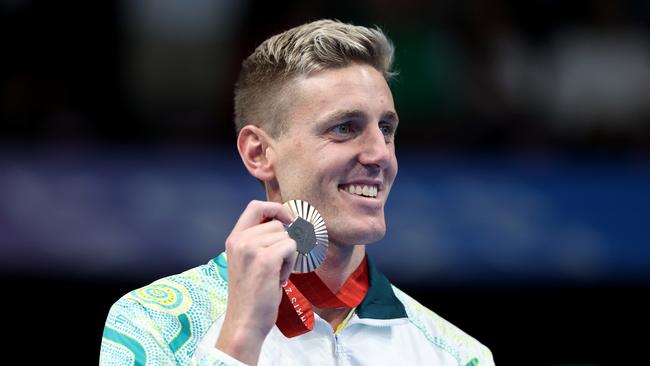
520 212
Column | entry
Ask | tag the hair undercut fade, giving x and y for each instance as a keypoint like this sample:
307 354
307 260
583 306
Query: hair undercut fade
303 50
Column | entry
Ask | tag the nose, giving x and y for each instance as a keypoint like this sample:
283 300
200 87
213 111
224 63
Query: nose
375 150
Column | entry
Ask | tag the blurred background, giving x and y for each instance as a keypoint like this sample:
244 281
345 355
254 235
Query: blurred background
520 212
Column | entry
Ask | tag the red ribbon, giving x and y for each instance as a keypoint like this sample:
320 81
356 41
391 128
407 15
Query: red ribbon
296 317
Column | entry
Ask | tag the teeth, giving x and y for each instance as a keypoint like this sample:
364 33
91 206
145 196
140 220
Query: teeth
367 191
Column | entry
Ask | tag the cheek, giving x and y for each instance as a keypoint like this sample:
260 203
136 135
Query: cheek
393 167
290 162
298 177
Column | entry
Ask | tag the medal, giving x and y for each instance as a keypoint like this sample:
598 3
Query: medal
310 233
304 287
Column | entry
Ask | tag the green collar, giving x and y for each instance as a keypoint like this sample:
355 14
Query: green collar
380 301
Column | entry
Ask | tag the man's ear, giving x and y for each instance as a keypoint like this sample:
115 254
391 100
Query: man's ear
252 143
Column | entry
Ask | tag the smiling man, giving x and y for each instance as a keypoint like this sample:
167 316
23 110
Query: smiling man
316 122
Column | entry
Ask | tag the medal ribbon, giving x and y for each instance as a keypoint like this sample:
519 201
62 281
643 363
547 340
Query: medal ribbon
296 317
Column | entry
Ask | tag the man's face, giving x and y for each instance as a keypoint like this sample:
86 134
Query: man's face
338 152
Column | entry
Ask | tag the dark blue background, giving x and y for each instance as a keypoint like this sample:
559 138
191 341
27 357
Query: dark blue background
520 212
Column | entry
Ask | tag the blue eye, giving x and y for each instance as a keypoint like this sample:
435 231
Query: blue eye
342 129
387 129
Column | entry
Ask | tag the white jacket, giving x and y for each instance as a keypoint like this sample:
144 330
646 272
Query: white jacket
177 320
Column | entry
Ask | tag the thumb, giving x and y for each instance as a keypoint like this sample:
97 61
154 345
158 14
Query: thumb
287 267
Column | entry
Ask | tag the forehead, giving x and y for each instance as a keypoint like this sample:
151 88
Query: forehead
356 87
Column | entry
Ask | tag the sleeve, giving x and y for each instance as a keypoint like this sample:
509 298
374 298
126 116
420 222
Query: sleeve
215 357
484 358
131 337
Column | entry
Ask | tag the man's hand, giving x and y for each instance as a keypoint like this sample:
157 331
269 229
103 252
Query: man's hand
261 256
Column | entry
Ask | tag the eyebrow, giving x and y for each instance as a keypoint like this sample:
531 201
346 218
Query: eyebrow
389 116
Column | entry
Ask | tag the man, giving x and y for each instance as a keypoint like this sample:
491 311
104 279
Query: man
316 122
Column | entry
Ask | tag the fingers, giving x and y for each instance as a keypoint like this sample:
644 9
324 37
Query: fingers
272 245
258 211
257 240
261 235
286 249
273 226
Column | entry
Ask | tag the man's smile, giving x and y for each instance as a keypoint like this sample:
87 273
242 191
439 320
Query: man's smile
366 188
362 190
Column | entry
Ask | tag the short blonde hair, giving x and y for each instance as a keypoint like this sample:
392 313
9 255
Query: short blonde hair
303 50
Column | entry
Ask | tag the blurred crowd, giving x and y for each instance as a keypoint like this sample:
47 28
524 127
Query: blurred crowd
472 73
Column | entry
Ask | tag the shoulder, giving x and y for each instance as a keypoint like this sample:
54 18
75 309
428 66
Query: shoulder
464 348
184 293
173 312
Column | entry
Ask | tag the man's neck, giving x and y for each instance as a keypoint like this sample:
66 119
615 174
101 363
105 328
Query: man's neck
334 271
339 264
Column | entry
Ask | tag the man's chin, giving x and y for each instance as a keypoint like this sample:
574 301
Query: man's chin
357 237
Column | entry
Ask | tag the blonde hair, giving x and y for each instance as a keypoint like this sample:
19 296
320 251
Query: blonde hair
303 50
